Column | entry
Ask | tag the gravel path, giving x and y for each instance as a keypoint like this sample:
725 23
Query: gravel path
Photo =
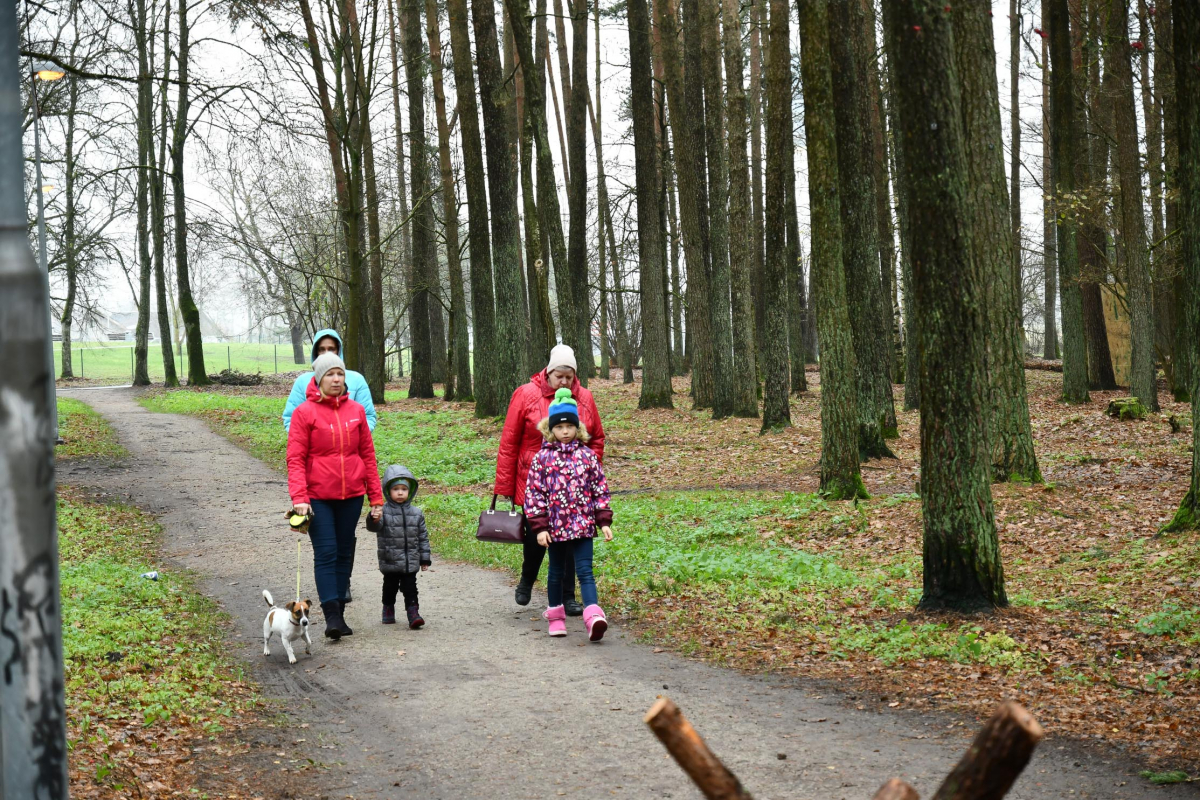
481 703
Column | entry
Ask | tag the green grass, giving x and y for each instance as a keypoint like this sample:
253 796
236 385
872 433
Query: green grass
113 360
445 447
86 434
136 649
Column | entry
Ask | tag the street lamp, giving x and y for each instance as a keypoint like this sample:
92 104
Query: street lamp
47 73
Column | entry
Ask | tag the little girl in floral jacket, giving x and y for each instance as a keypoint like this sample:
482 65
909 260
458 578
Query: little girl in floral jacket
566 500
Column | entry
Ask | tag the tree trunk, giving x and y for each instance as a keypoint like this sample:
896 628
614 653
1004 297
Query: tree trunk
70 248
987 204
458 298
912 349
718 206
145 125
542 332
1185 332
577 289
1066 130
422 378
483 317
687 131
757 251
1143 382
159 211
1164 300
776 409
744 390
1049 215
798 316
656 367
860 228
680 362
601 189
1014 165
962 568
197 376
840 477
405 241
502 160
1186 24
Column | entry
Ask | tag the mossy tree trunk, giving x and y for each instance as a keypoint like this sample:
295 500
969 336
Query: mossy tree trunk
840 475
1143 381
745 374
1066 136
1186 25
776 394
860 228
656 341
962 568
988 204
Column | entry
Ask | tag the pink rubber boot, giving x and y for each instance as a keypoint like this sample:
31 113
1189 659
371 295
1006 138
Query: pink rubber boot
557 617
597 624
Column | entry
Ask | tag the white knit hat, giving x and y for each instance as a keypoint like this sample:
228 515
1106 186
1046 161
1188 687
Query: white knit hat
561 356
326 362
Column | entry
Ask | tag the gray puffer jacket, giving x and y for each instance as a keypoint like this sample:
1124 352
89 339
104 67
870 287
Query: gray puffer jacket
403 540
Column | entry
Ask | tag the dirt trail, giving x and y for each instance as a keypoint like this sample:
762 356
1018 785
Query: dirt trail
481 702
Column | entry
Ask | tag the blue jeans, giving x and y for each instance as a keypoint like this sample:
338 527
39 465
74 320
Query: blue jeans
562 554
332 532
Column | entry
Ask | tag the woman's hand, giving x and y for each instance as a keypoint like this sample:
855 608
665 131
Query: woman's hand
376 512
544 539
303 509
607 533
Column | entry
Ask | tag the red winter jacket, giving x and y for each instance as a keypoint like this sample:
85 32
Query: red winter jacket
520 440
330 453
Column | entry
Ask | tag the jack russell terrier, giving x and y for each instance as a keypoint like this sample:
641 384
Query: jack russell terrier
290 622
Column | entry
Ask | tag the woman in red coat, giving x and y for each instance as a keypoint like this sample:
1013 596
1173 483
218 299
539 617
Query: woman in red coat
520 441
331 465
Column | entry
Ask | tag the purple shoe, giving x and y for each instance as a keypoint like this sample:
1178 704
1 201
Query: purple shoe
414 617
389 615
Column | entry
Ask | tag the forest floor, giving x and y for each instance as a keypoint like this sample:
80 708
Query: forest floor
724 553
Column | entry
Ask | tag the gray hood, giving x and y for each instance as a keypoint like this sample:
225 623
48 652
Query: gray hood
400 472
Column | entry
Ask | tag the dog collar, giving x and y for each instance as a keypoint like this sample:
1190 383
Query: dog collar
297 624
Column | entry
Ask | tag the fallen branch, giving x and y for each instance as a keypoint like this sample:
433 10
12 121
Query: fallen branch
996 757
1043 364
692 754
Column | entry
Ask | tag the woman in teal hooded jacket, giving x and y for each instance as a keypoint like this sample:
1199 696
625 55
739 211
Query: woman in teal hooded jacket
356 385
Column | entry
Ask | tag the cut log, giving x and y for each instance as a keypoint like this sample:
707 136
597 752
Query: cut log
1043 364
713 779
896 789
996 757
1126 408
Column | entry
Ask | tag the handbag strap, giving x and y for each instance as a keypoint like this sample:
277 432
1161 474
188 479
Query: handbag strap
512 506
494 496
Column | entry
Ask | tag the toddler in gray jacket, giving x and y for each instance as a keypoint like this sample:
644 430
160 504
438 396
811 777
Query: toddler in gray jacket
403 543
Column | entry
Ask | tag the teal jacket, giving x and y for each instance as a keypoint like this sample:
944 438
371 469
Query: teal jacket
356 386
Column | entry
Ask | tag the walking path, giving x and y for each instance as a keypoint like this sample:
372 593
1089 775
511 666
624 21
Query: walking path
481 703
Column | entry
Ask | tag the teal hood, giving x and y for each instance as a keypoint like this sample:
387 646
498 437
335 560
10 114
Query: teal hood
321 334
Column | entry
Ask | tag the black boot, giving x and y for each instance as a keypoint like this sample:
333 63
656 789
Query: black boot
345 628
574 607
524 592
414 617
333 619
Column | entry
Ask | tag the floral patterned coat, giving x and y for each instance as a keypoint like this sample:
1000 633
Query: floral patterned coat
566 493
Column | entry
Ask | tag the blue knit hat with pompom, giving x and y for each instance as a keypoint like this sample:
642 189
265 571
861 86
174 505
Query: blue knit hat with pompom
564 408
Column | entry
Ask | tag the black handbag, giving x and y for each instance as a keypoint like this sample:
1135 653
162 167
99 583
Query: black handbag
505 527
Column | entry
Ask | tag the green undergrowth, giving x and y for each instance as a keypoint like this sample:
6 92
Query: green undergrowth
444 446
136 649
85 433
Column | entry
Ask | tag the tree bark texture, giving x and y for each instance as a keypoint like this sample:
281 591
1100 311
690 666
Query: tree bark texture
459 339
600 189
1050 217
1065 136
799 321
483 317
840 478
860 229
1143 381
912 349
157 194
577 255
421 379
145 126
987 199
962 568
656 336
1185 332
1186 24
745 371
758 254
499 128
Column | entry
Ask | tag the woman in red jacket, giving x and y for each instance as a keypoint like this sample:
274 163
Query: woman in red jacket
331 465
519 442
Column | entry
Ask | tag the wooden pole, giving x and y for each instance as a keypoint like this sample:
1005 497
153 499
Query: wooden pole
996 757
692 754
896 789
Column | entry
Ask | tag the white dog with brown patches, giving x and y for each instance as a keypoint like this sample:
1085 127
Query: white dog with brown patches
290 622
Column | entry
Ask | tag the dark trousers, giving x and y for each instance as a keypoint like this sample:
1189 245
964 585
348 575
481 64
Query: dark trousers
405 582
332 533
571 558
532 565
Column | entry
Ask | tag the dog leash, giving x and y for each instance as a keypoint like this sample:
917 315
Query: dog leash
297 570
